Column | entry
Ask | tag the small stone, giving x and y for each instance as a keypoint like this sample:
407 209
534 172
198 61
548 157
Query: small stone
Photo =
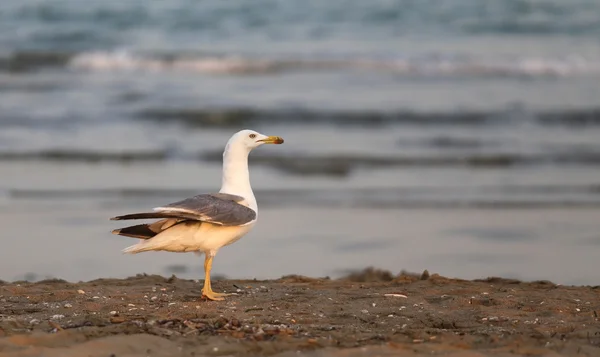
364 311
57 317
117 319
154 298
130 305
68 306
171 303
34 322
113 313
80 292
95 297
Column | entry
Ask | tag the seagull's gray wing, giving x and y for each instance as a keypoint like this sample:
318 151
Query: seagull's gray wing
217 208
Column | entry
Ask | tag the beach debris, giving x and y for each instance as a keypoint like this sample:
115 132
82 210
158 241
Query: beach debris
396 295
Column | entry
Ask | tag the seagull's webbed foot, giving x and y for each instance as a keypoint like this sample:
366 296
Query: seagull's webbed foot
211 295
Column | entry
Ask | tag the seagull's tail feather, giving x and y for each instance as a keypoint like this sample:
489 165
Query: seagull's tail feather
141 231
150 215
147 231
138 248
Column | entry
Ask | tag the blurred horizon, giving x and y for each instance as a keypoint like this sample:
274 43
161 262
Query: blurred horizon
460 137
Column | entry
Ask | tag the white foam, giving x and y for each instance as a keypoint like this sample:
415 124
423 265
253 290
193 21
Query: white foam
122 60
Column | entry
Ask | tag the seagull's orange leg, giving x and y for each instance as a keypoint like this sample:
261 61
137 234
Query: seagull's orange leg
207 289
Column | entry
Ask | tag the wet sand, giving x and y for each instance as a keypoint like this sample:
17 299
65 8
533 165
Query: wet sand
371 312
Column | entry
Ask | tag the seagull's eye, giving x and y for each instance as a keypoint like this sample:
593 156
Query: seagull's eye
252 136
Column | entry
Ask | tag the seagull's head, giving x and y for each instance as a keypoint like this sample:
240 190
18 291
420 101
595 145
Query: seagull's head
250 139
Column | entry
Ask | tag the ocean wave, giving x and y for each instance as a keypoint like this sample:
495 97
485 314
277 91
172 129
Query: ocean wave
238 117
76 155
433 65
428 65
324 165
27 61
317 18
517 196
344 165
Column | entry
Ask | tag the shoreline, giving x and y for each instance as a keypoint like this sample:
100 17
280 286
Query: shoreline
365 313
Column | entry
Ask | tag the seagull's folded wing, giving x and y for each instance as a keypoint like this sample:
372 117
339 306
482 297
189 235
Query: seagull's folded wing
217 208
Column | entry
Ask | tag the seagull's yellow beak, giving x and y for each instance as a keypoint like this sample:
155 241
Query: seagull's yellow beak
272 140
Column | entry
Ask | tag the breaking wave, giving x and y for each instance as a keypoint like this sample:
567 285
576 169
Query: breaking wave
433 65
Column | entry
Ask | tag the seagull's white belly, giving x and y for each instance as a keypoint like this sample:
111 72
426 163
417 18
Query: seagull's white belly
196 236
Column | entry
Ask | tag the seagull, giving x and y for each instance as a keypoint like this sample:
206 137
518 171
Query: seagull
206 222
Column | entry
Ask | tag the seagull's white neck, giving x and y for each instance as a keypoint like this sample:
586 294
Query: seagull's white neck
236 177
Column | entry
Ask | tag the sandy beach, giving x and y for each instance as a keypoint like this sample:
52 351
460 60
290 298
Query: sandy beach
371 312
462 138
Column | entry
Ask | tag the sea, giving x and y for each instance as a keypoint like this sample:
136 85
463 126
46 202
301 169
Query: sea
461 137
